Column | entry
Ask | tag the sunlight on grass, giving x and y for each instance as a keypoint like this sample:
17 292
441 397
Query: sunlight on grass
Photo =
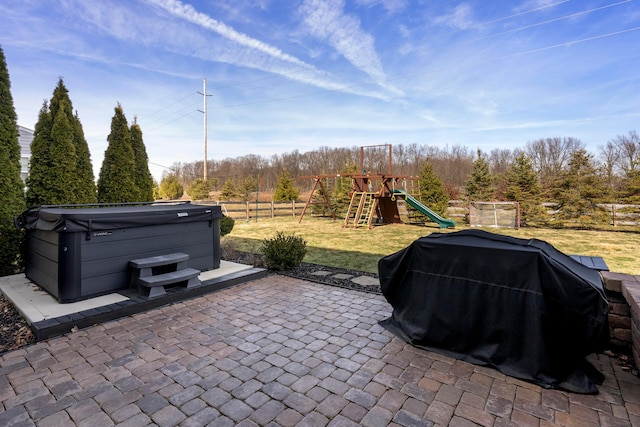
360 249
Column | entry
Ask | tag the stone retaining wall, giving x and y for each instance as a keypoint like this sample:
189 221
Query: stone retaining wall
623 292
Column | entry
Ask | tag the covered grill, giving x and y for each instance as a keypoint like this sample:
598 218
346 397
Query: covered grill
517 305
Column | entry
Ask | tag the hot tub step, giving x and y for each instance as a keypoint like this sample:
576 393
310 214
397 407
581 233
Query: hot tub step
156 283
156 261
151 274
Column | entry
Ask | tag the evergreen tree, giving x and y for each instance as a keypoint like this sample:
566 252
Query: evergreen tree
86 186
199 189
318 200
285 190
143 178
170 188
62 152
341 195
228 191
156 190
579 189
213 182
523 186
11 186
479 186
81 187
40 166
60 169
631 188
432 192
246 187
117 175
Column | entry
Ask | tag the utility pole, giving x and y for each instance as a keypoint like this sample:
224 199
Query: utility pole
204 112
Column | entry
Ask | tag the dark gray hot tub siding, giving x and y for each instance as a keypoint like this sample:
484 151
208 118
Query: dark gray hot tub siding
73 266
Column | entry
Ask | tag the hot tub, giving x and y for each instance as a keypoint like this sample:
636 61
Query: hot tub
79 253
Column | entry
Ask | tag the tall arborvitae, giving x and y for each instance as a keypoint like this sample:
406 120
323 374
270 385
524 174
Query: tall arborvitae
11 186
87 191
38 181
83 186
63 160
143 178
60 168
117 183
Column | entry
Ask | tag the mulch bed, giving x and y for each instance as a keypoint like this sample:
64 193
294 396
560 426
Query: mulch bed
14 330
306 271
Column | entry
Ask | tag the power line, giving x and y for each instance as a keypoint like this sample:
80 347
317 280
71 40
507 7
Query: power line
166 116
170 105
571 42
550 21
169 122
504 18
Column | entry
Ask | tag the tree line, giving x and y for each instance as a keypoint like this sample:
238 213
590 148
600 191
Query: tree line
613 171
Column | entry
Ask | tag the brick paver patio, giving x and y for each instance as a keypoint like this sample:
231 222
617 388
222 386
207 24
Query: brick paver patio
279 352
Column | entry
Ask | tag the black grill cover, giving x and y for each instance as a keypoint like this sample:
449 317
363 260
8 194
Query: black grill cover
517 305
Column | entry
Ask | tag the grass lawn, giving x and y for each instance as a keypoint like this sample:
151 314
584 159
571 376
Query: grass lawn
360 249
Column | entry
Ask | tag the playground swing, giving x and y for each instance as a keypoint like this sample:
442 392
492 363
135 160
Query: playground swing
366 203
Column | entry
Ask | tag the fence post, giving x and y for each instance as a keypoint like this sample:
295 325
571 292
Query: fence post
613 214
247 211
293 208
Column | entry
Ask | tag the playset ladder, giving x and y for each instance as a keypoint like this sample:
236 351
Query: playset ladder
361 209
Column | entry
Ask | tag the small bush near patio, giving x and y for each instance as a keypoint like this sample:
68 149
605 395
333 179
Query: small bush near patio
284 252
226 225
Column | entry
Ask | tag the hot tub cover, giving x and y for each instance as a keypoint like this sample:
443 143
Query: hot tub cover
70 220
516 305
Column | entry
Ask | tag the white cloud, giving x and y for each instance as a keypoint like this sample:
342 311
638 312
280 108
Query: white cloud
327 21
461 18
254 53
392 6
430 117
171 36
187 12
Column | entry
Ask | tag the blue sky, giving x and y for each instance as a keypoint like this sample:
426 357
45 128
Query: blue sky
301 74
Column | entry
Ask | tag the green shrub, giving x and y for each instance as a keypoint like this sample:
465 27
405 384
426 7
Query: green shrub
11 246
284 252
226 225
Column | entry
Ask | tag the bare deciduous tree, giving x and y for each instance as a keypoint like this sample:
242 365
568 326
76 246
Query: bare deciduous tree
628 151
609 157
550 156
